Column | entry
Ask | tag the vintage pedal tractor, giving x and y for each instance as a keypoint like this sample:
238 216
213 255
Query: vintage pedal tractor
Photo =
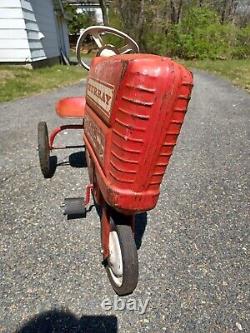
131 117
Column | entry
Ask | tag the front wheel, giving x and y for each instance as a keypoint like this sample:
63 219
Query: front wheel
122 263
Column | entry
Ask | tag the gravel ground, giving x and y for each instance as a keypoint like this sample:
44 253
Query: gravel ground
193 254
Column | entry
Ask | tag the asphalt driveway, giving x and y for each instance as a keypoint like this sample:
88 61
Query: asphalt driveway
193 253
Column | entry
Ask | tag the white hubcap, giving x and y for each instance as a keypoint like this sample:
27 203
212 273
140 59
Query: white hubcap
115 258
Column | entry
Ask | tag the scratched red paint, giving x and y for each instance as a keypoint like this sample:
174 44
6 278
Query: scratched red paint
138 108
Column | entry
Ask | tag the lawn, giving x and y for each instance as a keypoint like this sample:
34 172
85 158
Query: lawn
18 81
237 71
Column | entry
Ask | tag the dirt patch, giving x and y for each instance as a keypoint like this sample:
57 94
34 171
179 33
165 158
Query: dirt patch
6 75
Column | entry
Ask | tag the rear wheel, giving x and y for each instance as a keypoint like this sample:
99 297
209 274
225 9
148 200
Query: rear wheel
43 149
122 263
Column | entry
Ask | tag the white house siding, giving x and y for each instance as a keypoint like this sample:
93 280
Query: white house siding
41 22
29 31
14 46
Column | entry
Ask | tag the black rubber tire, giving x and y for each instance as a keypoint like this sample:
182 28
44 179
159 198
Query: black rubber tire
129 258
43 149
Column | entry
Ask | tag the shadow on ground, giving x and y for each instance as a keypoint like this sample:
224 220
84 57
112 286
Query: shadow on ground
76 160
141 221
57 321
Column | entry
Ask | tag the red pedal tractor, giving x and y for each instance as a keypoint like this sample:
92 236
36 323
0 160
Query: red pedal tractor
131 117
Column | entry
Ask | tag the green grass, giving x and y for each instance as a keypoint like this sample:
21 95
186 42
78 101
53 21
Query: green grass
238 71
16 82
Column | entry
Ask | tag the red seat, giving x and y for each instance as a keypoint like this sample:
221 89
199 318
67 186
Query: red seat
71 107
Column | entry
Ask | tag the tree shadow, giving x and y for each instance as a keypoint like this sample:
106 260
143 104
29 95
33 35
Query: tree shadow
58 321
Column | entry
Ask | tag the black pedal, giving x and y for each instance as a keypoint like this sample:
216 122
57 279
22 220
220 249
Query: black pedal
74 208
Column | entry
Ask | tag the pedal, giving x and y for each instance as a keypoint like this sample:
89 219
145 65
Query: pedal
74 207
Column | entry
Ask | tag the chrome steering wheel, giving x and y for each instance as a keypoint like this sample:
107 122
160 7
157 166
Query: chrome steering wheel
105 50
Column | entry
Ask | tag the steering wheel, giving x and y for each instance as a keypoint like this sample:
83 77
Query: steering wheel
105 50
